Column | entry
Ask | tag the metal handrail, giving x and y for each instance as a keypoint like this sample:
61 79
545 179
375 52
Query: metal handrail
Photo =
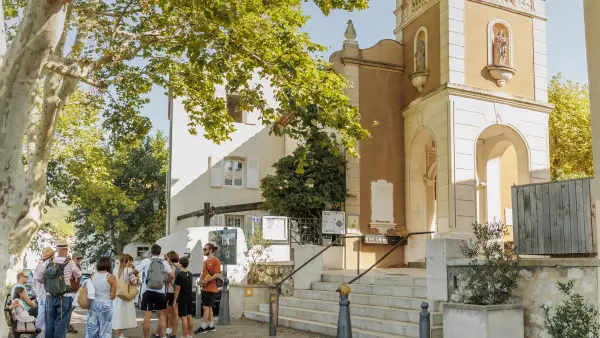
278 285
401 242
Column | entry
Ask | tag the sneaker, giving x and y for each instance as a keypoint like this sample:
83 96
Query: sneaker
71 329
211 328
200 330
154 335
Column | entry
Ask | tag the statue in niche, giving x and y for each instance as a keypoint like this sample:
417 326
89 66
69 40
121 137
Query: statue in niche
420 54
500 47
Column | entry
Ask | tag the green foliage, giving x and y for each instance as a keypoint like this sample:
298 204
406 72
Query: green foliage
306 181
116 207
257 253
194 47
570 130
573 318
490 281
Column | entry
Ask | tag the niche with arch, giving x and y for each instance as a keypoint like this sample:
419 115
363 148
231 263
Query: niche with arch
500 52
420 60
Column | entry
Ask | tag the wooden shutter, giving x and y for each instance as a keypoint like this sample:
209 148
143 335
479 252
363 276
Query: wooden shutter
216 171
218 220
252 173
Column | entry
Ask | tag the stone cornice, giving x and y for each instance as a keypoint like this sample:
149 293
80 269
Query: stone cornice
478 94
373 64
513 9
499 97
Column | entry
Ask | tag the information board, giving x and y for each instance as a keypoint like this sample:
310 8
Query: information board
226 240
275 228
334 222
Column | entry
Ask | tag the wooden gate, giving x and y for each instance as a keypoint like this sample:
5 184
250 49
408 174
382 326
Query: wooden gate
553 218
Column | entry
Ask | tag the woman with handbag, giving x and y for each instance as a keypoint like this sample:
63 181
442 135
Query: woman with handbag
123 306
100 314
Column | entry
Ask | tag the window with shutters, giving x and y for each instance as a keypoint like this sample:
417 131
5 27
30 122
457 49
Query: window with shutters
234 173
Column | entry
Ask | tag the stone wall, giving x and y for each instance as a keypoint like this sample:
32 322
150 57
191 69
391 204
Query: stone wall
537 286
272 273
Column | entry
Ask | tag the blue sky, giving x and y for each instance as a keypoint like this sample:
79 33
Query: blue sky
565 38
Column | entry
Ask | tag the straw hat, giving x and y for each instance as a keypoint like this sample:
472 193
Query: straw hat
47 253
62 243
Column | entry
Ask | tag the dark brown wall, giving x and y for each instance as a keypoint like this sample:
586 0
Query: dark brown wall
431 20
382 155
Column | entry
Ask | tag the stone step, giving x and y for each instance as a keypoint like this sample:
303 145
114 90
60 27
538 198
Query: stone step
378 290
317 327
365 323
355 298
383 312
386 280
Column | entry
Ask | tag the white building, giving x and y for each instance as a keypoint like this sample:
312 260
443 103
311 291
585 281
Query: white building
221 174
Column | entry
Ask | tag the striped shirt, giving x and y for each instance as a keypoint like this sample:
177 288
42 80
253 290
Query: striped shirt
71 270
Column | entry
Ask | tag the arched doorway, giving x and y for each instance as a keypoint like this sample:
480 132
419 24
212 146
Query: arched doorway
421 192
502 161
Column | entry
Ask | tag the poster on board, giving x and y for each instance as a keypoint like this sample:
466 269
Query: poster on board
275 228
334 222
226 241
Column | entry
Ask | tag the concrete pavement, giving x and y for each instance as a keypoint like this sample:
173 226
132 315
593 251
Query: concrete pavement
238 328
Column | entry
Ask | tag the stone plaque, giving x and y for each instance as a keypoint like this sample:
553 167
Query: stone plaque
382 202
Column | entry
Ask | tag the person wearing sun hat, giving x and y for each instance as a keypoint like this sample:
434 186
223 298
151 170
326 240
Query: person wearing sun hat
39 290
59 296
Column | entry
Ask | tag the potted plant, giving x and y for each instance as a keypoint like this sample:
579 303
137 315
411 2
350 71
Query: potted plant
483 307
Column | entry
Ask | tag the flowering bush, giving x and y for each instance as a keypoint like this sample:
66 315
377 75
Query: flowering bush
492 273
573 318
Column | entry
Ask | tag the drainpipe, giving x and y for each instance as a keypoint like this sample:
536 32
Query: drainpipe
169 172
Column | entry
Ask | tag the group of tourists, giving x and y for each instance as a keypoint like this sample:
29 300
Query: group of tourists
166 288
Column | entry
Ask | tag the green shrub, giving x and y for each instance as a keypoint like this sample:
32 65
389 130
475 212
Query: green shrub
573 318
492 273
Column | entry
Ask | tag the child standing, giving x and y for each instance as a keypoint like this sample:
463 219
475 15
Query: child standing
183 298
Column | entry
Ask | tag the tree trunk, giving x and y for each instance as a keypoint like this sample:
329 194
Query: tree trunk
38 34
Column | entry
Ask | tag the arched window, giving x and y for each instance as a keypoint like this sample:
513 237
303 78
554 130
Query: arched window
500 44
421 64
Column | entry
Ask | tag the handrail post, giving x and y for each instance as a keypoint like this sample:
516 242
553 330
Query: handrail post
344 328
424 323
273 311
358 258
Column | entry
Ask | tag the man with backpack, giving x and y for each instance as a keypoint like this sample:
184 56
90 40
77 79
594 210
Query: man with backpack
157 273
56 274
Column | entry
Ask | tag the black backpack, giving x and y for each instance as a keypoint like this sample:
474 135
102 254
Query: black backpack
54 278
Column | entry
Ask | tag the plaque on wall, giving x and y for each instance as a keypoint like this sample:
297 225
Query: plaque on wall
381 239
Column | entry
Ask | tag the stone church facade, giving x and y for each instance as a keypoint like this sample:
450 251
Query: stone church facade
457 108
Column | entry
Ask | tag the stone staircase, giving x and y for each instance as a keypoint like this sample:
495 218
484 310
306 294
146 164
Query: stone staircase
380 306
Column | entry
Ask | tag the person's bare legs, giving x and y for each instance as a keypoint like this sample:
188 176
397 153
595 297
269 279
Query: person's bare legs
175 320
212 317
184 327
162 324
119 332
146 325
190 324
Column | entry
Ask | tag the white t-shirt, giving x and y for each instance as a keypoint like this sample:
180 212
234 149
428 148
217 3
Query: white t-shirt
143 268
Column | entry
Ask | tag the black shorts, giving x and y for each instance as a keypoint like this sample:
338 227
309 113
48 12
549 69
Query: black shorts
153 301
184 308
208 298
170 299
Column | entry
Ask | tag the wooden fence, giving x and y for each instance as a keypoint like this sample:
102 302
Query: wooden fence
553 218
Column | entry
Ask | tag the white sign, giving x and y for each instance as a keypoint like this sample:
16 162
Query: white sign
334 222
275 228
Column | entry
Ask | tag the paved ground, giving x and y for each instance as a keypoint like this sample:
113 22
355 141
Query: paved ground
238 328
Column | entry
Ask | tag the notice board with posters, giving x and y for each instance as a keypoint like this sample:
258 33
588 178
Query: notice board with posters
226 240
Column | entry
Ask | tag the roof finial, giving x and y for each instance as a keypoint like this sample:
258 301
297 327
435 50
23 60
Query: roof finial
350 33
